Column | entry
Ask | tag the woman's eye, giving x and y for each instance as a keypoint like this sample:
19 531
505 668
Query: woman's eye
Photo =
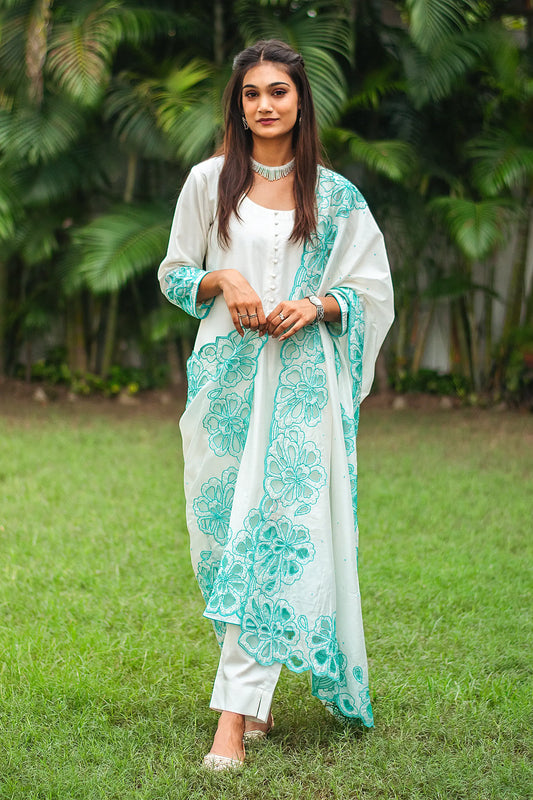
250 94
279 93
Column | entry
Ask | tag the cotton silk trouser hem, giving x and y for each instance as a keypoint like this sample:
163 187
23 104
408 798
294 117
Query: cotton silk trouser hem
242 685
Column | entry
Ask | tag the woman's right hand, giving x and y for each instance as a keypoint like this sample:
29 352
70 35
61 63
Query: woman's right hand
243 302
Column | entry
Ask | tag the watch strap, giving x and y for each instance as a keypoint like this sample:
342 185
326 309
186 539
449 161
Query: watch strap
319 307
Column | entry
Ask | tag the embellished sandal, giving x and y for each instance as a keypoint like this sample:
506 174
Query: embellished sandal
216 763
256 734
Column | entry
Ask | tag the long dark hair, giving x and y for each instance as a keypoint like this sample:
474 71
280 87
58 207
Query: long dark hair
236 177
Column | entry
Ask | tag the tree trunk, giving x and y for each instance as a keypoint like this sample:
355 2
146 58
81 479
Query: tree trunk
528 304
218 32
516 286
110 334
488 306
175 372
36 49
425 325
77 356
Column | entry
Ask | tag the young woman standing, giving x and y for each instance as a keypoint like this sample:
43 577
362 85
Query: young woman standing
285 267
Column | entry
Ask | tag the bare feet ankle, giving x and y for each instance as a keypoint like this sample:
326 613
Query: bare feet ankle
228 738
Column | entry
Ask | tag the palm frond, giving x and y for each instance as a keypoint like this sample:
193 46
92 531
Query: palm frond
327 83
433 76
189 110
10 207
131 106
40 134
501 162
61 179
477 228
432 21
137 25
80 54
194 133
394 159
118 245
12 50
37 237
375 86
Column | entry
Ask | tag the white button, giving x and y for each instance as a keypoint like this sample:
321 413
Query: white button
275 261
276 222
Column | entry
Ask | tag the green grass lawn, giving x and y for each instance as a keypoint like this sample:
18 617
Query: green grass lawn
106 663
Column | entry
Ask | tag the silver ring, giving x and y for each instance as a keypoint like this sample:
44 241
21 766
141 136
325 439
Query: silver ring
251 316
280 315
242 316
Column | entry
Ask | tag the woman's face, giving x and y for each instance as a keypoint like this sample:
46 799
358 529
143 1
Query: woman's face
270 101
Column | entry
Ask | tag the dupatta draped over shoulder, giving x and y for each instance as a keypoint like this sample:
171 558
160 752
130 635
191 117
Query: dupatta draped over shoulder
269 438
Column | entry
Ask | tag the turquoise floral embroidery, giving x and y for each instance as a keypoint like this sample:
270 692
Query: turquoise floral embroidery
353 487
213 507
282 550
324 653
229 588
293 471
365 708
244 544
340 702
206 573
306 343
197 376
238 357
348 427
337 362
302 394
269 630
339 194
182 287
227 424
231 359
314 258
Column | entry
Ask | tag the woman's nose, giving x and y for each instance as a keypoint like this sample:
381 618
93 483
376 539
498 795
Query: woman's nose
265 105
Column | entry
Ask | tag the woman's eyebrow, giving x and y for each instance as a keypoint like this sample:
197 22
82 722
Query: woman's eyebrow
270 85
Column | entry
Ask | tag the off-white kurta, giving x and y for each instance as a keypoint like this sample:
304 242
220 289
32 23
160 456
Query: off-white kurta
269 430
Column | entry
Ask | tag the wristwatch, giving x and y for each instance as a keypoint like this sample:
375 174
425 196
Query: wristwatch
319 307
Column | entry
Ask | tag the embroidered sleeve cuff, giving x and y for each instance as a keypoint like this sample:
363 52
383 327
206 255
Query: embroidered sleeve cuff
339 328
181 288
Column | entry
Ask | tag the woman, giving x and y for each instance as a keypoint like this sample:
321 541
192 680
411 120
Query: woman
283 264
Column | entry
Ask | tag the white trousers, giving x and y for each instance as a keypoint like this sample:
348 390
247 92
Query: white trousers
241 684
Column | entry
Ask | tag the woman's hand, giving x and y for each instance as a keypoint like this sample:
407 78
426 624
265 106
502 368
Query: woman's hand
243 302
289 317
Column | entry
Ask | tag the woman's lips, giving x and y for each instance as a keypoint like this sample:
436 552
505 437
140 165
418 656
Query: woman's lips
267 121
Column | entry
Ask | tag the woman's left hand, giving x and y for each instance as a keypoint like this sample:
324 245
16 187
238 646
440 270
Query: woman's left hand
289 317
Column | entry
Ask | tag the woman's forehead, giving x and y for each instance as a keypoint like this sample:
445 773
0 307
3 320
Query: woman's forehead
265 74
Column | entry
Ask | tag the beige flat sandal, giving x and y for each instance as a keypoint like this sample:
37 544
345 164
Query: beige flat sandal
219 763
256 735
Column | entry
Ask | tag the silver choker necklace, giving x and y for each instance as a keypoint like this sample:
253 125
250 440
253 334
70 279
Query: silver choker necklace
272 173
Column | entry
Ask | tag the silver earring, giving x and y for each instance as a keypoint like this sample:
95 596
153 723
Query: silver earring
244 123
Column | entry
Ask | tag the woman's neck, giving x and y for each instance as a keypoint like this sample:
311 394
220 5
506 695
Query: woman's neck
272 153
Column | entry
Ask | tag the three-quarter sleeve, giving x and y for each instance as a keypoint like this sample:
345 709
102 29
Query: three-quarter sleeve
181 271
340 327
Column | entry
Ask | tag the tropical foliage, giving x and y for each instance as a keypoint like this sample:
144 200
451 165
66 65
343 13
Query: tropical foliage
105 104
